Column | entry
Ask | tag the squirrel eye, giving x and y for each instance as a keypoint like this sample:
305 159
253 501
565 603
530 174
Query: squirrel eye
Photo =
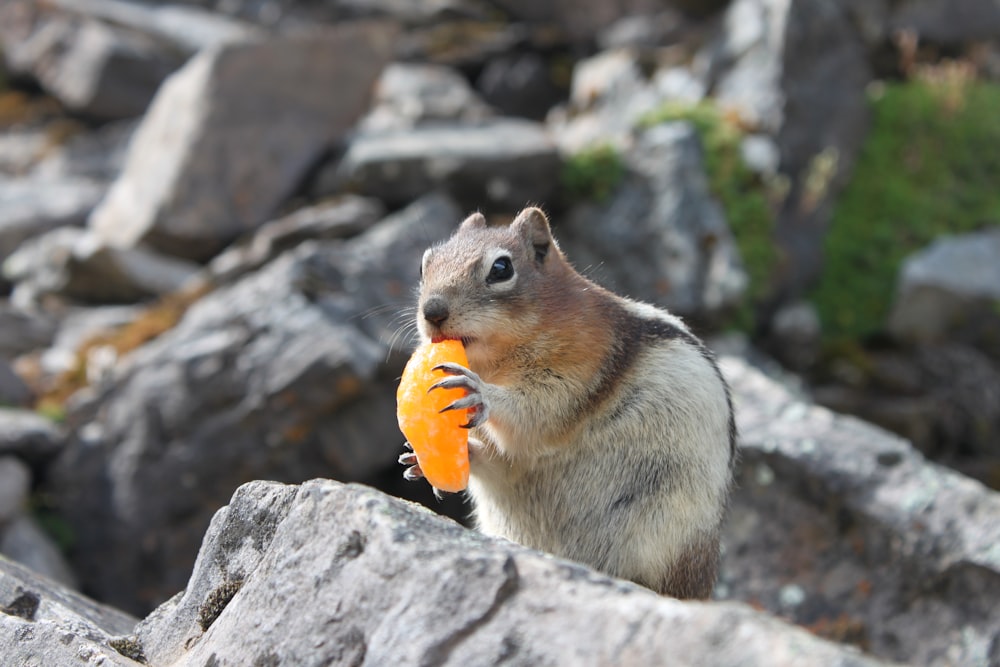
502 269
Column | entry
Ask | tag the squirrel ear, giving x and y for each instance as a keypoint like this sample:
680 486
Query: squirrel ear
475 221
533 226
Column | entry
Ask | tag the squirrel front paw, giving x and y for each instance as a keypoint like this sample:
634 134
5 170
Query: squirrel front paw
474 401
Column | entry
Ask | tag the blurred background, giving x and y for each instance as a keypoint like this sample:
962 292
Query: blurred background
212 213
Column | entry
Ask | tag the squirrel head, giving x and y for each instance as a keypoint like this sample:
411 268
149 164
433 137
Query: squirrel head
490 286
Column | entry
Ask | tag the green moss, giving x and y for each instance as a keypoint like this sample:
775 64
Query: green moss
593 173
929 167
745 198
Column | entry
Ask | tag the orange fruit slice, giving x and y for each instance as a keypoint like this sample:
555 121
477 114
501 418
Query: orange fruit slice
441 445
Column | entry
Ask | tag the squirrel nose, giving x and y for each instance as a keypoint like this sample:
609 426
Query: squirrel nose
435 310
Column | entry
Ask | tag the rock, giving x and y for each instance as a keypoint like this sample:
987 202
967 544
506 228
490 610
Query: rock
28 435
232 133
519 84
285 374
96 155
610 95
951 289
411 94
643 31
43 623
953 22
15 483
338 218
90 67
13 391
500 164
24 542
795 335
582 19
943 397
889 551
796 71
180 27
78 326
23 330
663 219
31 207
21 150
332 574
76 264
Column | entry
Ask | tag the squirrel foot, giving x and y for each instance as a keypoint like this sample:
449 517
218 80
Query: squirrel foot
409 459
474 401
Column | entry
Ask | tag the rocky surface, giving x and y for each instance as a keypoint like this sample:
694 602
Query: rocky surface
326 573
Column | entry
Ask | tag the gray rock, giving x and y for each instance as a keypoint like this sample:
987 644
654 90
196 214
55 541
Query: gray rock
519 84
334 219
332 574
24 542
90 67
664 220
285 374
888 550
13 390
28 436
76 264
500 164
947 21
411 94
77 326
23 330
30 207
951 288
643 31
97 155
15 483
183 28
21 150
43 623
231 134
943 397
581 19
796 71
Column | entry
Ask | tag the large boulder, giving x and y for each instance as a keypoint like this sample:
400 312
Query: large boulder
285 374
661 236
332 574
847 529
230 136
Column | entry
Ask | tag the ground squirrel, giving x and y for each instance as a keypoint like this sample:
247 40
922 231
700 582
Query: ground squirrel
602 430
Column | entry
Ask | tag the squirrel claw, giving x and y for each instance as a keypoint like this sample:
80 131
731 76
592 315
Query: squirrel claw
409 459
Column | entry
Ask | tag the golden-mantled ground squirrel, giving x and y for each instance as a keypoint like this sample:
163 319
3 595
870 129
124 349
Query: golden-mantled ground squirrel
602 430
